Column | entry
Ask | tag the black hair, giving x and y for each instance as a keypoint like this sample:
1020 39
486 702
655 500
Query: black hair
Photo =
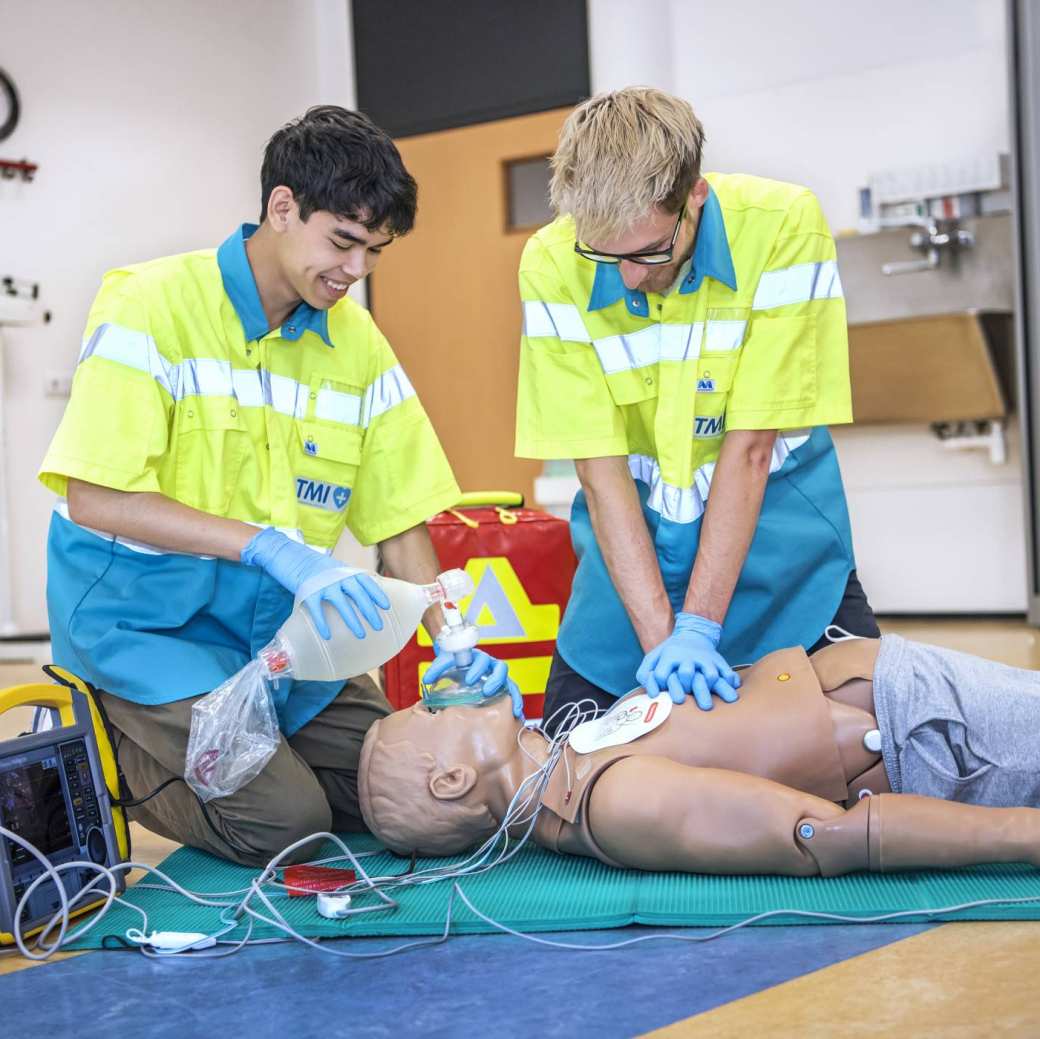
340 161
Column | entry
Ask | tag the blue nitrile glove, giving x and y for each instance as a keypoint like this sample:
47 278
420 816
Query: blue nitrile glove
291 564
688 662
497 672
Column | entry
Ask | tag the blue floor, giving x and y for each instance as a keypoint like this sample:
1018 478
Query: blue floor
490 984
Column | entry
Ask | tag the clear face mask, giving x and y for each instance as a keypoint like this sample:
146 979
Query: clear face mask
451 690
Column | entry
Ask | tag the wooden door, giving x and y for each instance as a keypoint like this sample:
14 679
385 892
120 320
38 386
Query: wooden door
446 295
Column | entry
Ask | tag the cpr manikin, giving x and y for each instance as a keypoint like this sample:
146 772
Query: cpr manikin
789 779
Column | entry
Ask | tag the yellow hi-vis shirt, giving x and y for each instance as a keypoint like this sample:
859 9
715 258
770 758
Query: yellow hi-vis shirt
752 336
182 389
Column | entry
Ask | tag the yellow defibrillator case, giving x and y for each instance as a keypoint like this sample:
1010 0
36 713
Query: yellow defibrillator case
57 788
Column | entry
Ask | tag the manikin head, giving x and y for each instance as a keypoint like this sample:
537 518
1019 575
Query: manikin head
439 783
335 193
627 169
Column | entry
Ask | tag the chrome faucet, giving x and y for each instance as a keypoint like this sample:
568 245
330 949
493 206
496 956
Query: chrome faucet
933 237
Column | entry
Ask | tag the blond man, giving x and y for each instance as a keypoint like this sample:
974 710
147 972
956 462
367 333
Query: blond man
685 343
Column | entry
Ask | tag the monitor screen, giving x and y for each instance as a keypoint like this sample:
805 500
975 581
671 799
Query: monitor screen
32 805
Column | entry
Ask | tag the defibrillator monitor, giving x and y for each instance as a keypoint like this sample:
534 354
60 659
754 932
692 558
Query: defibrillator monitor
52 795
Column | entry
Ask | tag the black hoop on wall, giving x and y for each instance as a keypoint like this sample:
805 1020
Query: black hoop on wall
7 90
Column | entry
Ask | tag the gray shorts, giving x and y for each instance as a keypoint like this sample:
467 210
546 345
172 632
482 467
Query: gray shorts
956 726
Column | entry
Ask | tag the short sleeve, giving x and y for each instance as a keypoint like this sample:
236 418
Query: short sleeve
404 477
793 370
115 430
564 406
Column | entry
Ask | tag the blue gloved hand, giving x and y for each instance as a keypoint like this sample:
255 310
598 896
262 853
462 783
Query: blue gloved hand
688 662
292 564
497 672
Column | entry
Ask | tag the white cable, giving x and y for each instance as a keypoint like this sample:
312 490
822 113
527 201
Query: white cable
806 913
279 922
842 636
500 847
62 894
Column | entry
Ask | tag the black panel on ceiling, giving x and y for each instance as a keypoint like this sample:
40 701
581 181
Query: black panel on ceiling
425 65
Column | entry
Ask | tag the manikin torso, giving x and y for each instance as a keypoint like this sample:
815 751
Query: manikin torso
799 721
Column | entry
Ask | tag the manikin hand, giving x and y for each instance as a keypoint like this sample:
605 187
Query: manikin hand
291 564
496 671
688 662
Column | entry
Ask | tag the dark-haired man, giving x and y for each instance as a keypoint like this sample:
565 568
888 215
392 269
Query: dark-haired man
231 412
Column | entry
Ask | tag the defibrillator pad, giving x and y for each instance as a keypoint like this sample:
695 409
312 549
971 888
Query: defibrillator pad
631 717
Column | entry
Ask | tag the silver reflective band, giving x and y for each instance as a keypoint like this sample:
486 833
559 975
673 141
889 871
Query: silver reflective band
636 349
209 377
667 342
559 320
724 335
681 342
337 406
389 390
134 349
798 284
687 504
627 352
61 507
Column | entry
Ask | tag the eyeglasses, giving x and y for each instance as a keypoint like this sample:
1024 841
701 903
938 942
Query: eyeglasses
647 259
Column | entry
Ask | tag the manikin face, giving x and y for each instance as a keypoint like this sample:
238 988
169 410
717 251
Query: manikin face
654 233
482 737
322 256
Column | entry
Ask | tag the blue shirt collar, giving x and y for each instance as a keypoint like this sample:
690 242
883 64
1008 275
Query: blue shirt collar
240 286
711 257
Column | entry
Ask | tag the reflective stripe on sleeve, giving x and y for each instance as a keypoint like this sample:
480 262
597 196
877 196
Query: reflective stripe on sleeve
798 284
562 320
128 347
687 504
390 389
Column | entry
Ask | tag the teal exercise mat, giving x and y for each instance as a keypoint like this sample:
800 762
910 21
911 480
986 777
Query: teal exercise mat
538 890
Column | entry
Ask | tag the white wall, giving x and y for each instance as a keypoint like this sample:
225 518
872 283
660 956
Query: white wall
148 122
818 94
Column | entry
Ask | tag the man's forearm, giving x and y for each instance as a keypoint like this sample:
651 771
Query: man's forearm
623 538
734 503
411 556
157 520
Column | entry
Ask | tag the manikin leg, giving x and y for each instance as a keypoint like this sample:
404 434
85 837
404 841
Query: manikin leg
891 832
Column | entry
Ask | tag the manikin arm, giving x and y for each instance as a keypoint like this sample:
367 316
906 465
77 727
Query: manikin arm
655 814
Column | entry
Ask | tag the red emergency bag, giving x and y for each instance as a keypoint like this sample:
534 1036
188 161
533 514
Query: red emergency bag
522 563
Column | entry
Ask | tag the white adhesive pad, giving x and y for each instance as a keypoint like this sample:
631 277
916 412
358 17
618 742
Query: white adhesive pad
631 717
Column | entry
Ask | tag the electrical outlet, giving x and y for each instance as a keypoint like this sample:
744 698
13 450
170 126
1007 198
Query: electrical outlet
57 384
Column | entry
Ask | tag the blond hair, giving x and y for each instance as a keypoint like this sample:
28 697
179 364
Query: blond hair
398 807
620 155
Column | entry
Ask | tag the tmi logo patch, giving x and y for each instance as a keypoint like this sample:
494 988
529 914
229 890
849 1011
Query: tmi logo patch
709 425
321 495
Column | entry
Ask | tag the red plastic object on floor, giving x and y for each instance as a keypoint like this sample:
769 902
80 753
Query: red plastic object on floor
303 881
522 563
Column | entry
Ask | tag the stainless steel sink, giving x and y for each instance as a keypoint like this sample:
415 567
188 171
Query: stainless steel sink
979 278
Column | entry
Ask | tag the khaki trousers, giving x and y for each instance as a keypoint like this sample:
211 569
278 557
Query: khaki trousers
310 784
